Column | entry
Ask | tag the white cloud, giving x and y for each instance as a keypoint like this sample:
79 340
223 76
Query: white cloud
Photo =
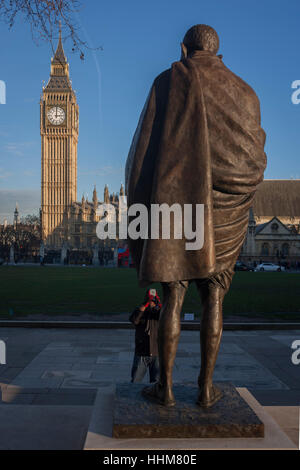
4 174
18 148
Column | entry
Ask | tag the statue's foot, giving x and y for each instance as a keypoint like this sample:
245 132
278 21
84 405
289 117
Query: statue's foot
157 394
208 396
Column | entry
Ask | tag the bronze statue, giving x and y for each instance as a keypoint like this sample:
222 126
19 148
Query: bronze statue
199 140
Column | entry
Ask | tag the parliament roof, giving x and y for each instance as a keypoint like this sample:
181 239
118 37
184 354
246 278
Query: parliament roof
277 198
56 83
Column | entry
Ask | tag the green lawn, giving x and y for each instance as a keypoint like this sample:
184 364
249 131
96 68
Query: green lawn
54 290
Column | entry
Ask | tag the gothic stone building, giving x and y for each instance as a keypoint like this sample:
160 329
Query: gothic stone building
274 224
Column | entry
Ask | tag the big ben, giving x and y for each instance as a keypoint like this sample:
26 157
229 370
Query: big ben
59 117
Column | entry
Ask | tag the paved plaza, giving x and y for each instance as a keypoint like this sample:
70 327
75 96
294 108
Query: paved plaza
51 376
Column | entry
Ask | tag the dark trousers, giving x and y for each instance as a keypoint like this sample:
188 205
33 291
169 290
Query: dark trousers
140 366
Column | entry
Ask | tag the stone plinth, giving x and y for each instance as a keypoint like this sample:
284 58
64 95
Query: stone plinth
231 416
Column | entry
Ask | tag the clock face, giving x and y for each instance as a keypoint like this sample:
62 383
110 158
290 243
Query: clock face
56 115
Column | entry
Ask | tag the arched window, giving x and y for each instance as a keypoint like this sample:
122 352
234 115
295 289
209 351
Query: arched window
276 250
265 249
285 249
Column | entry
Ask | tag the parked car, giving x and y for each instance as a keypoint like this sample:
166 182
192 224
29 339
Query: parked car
240 266
269 267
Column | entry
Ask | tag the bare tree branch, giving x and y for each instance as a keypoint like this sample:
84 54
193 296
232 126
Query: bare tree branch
44 17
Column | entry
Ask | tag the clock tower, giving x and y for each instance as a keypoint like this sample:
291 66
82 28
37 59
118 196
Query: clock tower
59 118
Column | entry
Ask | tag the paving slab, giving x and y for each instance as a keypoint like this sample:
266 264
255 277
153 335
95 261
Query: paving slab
74 374
277 397
288 418
83 383
287 339
28 427
51 358
42 396
32 382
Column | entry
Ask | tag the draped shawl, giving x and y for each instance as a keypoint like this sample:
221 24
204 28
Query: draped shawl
198 141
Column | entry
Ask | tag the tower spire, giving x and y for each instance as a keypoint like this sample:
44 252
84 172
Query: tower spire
106 194
16 215
59 75
95 198
59 57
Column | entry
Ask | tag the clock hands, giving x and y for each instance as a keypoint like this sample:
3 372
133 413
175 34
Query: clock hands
56 115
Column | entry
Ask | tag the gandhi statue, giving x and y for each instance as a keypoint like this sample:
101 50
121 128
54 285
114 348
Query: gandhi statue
199 141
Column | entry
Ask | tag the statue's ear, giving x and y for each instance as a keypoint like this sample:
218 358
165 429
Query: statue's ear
183 51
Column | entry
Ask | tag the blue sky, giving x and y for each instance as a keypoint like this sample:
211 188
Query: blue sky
259 41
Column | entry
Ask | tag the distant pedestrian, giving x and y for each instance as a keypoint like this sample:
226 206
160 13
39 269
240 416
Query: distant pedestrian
145 319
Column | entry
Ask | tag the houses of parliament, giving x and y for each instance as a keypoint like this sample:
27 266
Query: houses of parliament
68 225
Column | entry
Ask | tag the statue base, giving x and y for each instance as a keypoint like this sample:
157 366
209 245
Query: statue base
100 432
135 417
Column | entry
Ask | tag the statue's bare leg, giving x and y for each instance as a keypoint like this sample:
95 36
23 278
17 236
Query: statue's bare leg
210 336
168 337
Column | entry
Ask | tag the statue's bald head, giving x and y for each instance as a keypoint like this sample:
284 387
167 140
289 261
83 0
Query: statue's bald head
201 37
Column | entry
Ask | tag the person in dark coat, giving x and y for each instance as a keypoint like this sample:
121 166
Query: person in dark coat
199 141
145 319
